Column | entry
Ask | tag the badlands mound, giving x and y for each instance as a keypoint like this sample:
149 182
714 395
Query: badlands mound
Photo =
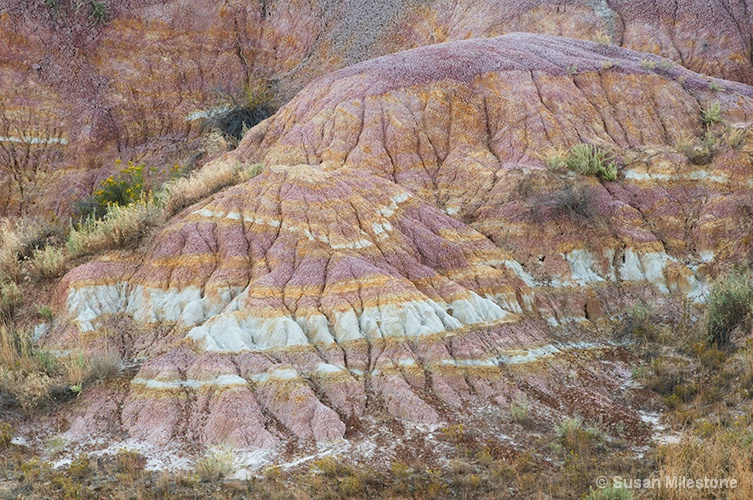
406 260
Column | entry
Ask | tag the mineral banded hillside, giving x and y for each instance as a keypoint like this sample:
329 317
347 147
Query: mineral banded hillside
391 250
135 79
467 230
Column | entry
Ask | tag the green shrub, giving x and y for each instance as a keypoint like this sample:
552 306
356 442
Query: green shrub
711 114
121 190
586 159
98 12
729 307
44 311
572 436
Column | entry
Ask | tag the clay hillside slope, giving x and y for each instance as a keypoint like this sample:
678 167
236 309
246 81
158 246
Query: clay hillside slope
469 127
137 82
406 257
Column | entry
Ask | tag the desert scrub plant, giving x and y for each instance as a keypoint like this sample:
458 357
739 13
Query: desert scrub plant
519 410
715 86
185 191
243 110
124 188
666 65
48 262
44 311
54 445
121 227
573 436
571 200
11 298
711 114
98 12
639 324
648 64
698 151
217 465
6 434
586 159
124 226
609 493
729 307
602 38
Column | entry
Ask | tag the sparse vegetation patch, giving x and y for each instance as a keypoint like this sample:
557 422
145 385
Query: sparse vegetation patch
711 114
729 307
586 159
243 110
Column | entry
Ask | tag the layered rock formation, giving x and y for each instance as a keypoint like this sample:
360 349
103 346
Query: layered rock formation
138 81
406 254
469 126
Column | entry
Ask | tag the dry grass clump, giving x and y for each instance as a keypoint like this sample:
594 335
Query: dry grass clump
125 226
34 247
121 227
20 239
31 376
11 298
735 137
186 191
6 434
603 38
10 247
730 307
48 263
725 453
217 465
699 151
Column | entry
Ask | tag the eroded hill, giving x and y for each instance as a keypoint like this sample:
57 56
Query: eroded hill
407 255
